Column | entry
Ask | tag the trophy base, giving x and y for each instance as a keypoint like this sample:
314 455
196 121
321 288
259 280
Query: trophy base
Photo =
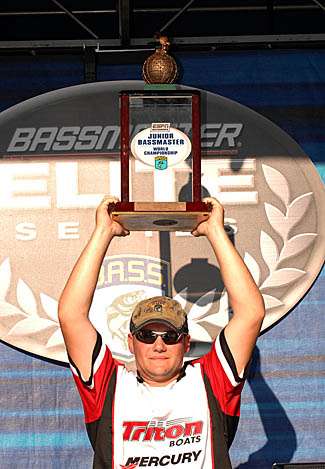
160 216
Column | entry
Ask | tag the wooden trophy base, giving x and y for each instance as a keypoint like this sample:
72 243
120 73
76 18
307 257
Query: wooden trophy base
160 216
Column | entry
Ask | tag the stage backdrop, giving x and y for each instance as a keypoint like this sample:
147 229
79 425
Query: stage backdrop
60 155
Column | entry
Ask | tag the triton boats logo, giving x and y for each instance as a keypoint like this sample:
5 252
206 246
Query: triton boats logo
54 170
177 433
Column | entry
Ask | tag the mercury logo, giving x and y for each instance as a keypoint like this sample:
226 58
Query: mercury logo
175 459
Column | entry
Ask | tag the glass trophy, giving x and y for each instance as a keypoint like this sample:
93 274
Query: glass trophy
160 154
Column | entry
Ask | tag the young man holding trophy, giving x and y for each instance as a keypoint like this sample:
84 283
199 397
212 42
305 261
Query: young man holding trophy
166 413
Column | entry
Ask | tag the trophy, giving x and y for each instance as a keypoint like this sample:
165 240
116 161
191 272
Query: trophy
160 152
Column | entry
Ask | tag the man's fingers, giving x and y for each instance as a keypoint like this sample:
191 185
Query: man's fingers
210 200
108 203
109 200
213 202
196 233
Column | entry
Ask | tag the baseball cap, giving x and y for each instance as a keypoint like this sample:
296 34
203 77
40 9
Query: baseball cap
159 309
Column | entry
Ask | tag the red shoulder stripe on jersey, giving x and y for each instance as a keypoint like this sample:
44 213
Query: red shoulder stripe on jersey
93 394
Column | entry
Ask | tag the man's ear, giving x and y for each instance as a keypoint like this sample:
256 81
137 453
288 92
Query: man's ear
130 343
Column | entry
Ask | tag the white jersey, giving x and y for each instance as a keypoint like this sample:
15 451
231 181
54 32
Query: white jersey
162 425
190 423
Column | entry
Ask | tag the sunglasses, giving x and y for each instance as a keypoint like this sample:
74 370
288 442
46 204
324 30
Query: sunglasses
149 337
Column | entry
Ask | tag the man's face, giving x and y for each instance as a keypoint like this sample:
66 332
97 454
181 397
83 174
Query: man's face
158 363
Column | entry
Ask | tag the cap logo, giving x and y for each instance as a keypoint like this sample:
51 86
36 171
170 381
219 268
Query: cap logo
158 308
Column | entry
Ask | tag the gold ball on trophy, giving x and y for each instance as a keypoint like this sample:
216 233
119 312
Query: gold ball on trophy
160 67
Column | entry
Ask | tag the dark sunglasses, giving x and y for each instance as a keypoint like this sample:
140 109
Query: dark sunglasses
149 337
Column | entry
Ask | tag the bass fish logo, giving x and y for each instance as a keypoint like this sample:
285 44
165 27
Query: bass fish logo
161 162
119 313
123 282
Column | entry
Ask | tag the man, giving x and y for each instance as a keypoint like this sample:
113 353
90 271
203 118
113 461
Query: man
166 414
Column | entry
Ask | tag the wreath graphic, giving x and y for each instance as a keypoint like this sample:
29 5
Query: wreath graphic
26 320
279 275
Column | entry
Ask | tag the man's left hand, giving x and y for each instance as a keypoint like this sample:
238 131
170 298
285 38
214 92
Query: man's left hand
215 220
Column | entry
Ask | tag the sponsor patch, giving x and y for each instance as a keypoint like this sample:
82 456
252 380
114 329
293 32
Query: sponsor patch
155 461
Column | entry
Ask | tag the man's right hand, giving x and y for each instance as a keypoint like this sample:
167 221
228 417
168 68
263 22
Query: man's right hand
104 220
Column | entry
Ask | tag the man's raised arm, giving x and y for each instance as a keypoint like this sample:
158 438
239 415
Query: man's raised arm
245 298
76 298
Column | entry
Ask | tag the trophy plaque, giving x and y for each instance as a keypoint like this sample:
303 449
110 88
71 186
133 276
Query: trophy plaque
160 155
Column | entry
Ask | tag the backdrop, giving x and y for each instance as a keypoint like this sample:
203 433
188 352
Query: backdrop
282 411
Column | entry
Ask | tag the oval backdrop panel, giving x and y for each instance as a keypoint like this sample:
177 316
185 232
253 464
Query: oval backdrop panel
60 155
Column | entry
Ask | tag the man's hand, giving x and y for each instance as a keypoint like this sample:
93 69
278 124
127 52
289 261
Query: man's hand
104 220
215 220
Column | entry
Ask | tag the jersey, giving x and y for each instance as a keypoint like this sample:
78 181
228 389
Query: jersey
189 423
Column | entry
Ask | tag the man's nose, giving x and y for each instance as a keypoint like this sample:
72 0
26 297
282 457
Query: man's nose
159 345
